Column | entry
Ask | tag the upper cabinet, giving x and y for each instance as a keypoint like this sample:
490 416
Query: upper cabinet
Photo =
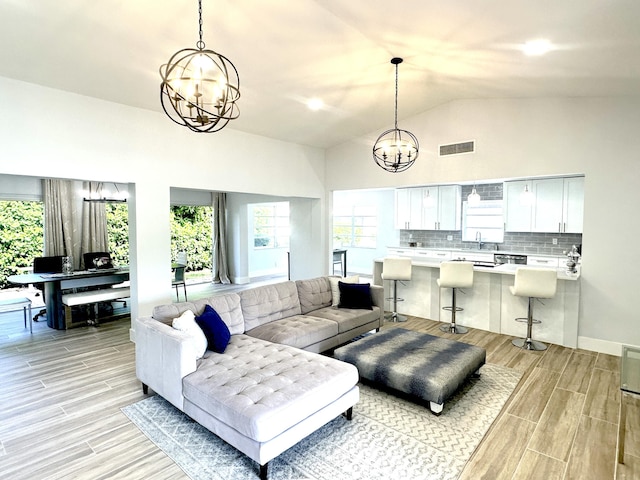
553 205
428 208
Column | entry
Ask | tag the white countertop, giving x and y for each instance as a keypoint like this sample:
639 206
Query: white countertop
504 269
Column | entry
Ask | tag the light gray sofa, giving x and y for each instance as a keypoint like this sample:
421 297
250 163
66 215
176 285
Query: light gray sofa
270 388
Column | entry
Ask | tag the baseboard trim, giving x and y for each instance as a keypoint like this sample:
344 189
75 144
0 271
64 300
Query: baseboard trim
600 346
240 280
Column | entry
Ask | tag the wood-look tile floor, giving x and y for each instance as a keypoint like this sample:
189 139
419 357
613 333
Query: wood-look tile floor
61 394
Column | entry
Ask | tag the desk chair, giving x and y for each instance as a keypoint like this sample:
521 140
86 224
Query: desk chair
46 265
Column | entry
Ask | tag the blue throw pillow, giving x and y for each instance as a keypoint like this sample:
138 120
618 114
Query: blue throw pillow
214 329
355 295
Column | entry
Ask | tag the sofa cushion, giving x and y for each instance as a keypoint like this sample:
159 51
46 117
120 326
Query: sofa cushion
262 389
214 329
314 293
187 323
297 331
347 318
355 295
265 304
335 289
227 306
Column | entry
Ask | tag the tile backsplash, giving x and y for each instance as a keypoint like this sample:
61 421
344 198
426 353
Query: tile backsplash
532 243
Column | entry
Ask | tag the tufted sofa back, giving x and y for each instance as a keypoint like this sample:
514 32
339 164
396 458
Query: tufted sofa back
265 304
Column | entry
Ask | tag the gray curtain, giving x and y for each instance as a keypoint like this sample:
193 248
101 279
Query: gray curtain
94 221
61 222
220 268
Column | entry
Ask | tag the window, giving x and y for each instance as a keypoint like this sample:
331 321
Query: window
355 226
271 225
483 222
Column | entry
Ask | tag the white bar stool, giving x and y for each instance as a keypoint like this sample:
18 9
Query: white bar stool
396 269
534 283
455 275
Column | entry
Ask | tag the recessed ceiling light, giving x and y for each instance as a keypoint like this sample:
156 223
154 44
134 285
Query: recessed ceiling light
315 104
537 47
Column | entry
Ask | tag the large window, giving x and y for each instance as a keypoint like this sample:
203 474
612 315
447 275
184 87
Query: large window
271 225
355 226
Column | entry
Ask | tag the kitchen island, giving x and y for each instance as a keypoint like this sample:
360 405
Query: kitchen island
489 304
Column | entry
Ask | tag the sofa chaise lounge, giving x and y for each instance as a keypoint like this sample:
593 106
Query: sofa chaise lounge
270 388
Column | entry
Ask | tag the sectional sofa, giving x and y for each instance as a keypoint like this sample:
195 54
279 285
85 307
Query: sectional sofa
270 387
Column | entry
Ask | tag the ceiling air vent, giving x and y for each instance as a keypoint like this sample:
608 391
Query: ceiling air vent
457 148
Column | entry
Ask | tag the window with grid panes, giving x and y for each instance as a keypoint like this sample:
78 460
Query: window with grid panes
355 226
271 225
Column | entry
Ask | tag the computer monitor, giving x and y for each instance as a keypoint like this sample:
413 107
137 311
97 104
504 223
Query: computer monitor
97 261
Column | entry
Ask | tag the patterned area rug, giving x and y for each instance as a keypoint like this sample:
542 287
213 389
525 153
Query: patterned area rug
389 437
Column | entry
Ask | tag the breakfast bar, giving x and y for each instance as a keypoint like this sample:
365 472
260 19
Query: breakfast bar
489 304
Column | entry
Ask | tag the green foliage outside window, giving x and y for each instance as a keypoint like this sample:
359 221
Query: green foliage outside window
21 237
191 232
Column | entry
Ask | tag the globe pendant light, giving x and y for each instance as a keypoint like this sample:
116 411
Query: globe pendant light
200 87
396 150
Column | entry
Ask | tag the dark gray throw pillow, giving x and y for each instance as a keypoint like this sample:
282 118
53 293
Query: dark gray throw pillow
355 295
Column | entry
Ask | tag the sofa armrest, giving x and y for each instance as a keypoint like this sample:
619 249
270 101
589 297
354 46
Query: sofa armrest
377 296
164 356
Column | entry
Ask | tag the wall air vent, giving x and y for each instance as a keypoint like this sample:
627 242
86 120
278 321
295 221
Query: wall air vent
457 148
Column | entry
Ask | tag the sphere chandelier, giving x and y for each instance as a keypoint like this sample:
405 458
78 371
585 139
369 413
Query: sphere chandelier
200 87
396 150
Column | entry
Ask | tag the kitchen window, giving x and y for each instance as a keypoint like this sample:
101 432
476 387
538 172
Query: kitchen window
483 222
355 226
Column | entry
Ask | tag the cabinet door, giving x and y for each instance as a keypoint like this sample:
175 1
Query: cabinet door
403 208
518 210
415 209
449 207
573 207
548 205
430 208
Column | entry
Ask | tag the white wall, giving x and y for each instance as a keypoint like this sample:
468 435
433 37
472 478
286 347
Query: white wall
530 137
50 133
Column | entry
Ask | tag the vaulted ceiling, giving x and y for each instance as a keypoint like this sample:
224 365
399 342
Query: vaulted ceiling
287 52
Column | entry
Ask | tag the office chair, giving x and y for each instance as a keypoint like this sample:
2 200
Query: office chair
46 265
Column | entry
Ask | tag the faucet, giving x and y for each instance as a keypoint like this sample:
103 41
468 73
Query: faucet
479 240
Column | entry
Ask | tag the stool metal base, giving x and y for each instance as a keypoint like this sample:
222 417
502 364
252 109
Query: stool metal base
529 344
452 328
395 317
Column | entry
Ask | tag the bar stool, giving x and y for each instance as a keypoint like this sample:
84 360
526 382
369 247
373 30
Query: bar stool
455 275
534 283
396 269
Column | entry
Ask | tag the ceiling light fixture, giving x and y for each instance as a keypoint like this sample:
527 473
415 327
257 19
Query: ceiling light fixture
474 197
104 195
537 47
200 87
315 104
396 150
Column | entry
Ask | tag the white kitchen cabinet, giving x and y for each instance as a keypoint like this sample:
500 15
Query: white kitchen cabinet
573 206
551 262
556 205
409 208
428 208
518 210
442 208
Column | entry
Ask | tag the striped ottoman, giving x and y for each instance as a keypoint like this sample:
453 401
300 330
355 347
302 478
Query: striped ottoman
429 367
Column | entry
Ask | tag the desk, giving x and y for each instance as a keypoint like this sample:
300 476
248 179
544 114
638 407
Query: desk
55 283
629 385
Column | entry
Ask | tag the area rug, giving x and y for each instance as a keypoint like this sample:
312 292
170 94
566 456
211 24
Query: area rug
389 437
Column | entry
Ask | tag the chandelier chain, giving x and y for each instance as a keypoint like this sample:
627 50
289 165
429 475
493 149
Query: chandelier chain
396 110
200 43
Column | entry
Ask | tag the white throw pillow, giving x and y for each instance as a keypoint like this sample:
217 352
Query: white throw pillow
335 290
187 323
